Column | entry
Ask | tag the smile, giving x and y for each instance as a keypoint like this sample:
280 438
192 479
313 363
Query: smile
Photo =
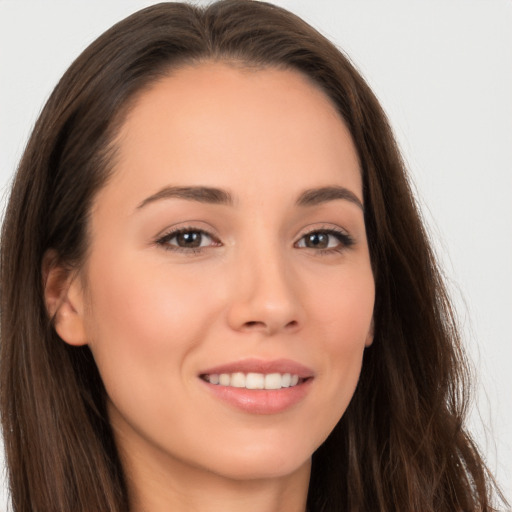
253 380
256 386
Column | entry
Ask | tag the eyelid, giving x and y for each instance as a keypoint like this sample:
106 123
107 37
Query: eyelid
344 237
326 227
187 225
164 237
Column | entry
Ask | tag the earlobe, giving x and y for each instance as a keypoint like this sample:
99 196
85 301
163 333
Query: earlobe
63 294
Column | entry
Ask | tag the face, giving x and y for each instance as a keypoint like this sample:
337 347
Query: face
229 254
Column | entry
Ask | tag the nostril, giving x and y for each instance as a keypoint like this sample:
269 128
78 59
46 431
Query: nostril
254 324
258 325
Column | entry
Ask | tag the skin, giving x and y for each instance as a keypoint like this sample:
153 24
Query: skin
155 315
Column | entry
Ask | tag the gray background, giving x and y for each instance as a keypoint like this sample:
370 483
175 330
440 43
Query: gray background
443 72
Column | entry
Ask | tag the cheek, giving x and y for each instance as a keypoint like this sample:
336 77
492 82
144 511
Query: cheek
344 313
343 307
142 318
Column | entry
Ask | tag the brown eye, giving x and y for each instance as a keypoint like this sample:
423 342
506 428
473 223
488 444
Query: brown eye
317 240
189 239
326 240
184 239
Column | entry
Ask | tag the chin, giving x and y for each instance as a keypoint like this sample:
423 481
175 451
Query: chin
262 469
261 461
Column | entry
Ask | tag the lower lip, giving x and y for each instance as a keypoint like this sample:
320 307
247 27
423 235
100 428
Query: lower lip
261 401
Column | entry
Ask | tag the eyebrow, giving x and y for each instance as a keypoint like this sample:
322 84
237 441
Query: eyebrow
201 194
210 195
316 196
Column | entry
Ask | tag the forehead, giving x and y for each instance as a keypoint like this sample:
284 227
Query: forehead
214 124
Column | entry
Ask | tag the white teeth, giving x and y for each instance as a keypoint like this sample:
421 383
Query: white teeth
273 381
253 380
224 379
237 380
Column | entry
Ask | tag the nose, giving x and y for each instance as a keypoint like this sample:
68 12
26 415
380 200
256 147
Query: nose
265 295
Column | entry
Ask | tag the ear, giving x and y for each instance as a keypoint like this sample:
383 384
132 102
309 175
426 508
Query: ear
64 299
370 336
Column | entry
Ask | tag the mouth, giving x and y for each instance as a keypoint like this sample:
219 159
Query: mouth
253 380
260 387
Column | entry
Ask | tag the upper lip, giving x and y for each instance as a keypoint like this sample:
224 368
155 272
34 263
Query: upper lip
262 366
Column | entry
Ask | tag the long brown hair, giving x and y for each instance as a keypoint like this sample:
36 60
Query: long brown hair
400 446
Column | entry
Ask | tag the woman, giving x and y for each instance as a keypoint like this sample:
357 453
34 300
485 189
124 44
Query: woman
216 289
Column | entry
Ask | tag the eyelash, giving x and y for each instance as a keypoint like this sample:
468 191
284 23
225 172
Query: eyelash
164 240
344 239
